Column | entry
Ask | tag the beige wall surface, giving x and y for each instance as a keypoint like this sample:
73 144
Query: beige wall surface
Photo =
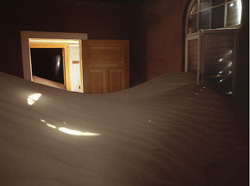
164 31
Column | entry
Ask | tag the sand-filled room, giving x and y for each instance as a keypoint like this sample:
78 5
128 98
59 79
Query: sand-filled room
124 93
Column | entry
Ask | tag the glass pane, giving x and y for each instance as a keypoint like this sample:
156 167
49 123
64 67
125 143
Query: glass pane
194 8
204 19
221 85
192 23
234 13
218 17
192 55
204 4
218 59
217 2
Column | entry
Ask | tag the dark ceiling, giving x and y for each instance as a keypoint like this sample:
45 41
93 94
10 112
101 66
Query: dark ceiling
126 1
114 4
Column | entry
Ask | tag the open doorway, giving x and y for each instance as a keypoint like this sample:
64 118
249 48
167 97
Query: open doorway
103 64
48 66
56 62
53 59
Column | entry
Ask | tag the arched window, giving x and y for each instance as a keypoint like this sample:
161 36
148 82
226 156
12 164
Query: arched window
212 14
220 19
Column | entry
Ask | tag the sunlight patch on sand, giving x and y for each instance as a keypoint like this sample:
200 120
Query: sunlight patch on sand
42 120
77 132
51 126
69 131
33 98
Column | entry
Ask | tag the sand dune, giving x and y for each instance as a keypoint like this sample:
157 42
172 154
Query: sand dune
167 131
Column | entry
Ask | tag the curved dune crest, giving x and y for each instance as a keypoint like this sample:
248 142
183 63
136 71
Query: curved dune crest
167 131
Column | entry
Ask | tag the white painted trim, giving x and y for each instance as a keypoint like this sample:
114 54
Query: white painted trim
198 58
26 35
81 65
193 37
186 55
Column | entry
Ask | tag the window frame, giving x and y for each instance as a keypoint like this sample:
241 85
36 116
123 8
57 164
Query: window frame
200 32
226 2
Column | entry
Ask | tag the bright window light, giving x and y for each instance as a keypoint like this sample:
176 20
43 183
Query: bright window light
239 7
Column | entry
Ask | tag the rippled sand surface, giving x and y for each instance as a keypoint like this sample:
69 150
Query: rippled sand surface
165 132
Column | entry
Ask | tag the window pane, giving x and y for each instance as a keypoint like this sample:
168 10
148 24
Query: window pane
218 17
221 85
204 4
192 55
234 13
204 19
219 56
194 7
192 23
218 61
217 2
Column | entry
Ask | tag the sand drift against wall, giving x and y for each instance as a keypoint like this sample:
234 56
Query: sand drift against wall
167 131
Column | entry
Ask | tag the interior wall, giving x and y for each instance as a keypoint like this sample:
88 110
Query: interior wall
242 86
155 35
10 57
164 41
164 37
98 23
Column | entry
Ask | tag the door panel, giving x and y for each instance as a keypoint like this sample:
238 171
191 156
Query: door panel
116 79
97 81
105 55
105 65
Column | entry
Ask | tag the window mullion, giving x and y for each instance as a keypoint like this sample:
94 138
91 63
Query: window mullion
198 16
225 15
186 55
210 16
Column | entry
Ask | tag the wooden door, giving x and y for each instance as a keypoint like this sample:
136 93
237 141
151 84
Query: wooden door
105 65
